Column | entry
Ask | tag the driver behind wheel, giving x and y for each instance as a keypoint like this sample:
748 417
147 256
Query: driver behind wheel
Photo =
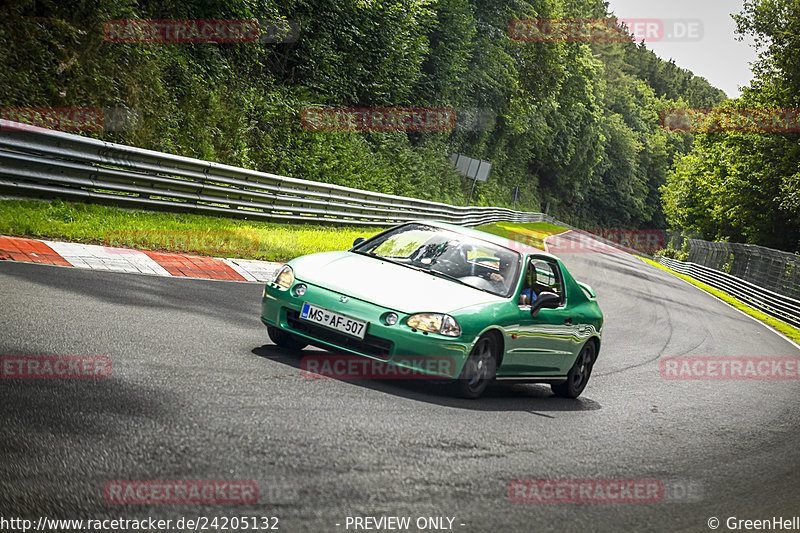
504 273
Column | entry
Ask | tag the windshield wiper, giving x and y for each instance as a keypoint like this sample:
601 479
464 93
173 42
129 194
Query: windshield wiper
441 274
457 280
384 258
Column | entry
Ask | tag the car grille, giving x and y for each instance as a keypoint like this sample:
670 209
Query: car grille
370 345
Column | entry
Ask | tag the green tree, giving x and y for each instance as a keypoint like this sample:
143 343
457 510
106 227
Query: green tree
743 186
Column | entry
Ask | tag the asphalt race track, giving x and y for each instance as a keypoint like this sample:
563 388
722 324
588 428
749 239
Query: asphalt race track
198 392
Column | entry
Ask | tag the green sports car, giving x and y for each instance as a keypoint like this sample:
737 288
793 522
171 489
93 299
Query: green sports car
420 290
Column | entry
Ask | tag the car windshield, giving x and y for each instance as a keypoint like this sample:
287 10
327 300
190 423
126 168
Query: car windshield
441 252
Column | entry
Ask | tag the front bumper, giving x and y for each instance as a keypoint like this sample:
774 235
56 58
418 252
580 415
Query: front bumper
397 344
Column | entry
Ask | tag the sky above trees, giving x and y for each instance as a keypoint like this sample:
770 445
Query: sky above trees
719 56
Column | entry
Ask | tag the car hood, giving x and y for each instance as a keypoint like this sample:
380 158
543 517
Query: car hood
386 284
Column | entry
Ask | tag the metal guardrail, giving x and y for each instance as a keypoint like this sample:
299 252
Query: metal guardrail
46 163
41 162
771 303
774 269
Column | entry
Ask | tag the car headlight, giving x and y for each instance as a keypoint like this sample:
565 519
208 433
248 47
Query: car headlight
435 323
285 277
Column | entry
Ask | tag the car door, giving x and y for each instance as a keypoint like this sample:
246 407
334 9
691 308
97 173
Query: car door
545 344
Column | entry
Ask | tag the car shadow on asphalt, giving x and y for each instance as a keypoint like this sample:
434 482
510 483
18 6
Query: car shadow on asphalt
536 399
218 300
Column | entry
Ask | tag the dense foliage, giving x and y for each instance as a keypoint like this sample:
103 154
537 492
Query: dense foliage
744 186
574 125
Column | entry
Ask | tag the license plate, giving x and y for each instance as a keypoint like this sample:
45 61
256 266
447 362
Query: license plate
329 319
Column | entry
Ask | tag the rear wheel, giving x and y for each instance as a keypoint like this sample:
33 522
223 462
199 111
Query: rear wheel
479 368
286 340
579 374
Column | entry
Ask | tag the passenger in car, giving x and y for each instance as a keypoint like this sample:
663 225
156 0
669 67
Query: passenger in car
528 294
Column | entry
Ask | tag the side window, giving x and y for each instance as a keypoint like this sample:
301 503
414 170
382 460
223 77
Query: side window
545 276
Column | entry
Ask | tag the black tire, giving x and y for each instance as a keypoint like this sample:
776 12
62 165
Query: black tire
579 374
286 340
479 369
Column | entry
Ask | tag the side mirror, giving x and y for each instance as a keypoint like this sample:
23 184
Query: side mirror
546 300
358 241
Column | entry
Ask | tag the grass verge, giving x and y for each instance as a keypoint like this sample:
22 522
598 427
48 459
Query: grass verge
200 234
531 233
791 332
185 233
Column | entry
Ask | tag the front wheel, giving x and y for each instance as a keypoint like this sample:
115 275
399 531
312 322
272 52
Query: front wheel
286 340
479 368
578 375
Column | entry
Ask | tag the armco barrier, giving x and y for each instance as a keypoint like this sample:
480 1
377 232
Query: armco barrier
46 163
776 270
771 303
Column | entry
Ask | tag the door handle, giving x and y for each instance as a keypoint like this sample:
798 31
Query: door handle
568 321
